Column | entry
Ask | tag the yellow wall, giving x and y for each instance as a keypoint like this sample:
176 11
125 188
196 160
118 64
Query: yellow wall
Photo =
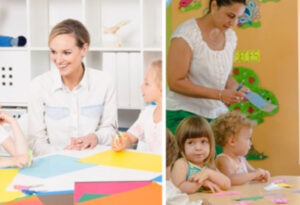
278 136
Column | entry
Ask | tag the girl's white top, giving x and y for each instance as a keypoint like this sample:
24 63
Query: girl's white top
208 68
3 134
148 133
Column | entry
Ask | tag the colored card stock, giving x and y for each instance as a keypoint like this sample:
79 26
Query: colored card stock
126 159
87 197
6 177
105 187
157 179
251 198
28 200
226 193
259 102
147 195
53 165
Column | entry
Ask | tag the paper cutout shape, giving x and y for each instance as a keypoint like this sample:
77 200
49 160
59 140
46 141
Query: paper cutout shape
157 179
259 102
87 197
28 200
280 200
126 159
242 203
54 165
105 187
271 187
147 195
276 181
284 185
250 16
251 198
6 177
247 56
187 5
226 193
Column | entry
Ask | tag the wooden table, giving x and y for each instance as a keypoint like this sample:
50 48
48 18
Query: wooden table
256 189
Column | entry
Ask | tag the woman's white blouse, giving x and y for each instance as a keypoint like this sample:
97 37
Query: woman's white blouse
208 68
56 114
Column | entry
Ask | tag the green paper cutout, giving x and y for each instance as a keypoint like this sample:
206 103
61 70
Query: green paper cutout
251 80
191 7
87 197
265 1
253 25
252 198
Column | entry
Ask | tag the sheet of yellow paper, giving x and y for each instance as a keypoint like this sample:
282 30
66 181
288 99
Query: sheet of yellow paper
126 159
6 177
6 196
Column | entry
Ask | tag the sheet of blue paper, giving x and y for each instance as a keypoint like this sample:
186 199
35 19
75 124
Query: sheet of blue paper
54 165
256 99
157 179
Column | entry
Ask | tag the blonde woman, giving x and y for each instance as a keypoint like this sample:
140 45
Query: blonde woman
71 107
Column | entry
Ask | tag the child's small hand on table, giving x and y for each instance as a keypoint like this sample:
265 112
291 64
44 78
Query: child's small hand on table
118 143
20 161
211 186
200 177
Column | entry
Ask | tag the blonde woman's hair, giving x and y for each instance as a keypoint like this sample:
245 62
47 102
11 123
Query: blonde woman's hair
73 27
195 127
229 125
157 66
172 149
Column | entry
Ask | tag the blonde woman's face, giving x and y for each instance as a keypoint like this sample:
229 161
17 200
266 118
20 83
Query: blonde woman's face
196 150
66 55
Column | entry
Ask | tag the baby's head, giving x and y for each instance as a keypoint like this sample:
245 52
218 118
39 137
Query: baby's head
233 130
152 86
196 141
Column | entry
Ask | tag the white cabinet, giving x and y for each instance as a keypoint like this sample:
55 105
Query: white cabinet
141 42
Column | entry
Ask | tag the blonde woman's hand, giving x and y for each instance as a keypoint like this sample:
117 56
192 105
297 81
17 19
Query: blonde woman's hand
6 118
86 142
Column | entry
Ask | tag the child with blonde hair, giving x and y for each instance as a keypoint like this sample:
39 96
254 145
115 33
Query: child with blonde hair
195 168
174 195
147 129
233 132
16 147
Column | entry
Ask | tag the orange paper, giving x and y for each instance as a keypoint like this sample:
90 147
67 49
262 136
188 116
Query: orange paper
147 195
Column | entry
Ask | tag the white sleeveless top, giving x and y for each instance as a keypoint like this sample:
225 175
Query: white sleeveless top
237 167
208 68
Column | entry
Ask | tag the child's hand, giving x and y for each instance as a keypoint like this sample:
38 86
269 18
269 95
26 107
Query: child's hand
212 186
6 118
118 143
20 161
200 177
266 176
260 175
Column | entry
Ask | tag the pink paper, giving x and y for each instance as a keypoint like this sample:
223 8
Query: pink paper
277 181
280 200
242 203
105 187
226 193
